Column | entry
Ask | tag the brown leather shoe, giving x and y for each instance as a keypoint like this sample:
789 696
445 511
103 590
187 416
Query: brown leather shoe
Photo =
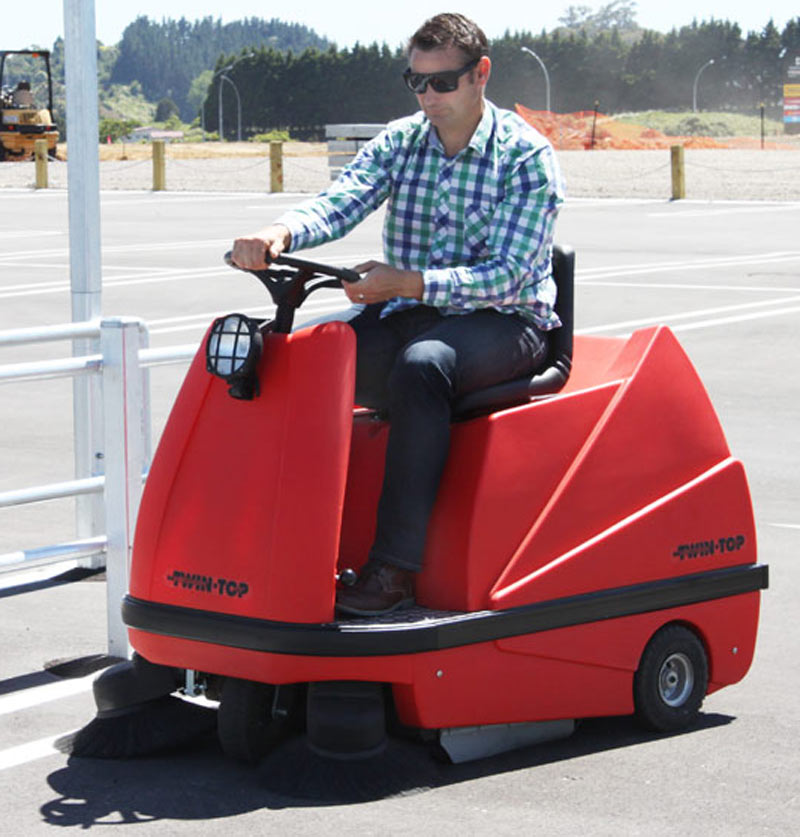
381 588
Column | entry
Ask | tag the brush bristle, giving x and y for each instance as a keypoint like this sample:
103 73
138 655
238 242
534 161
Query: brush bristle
294 770
167 723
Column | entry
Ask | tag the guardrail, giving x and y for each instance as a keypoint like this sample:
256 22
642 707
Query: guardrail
344 142
122 365
159 161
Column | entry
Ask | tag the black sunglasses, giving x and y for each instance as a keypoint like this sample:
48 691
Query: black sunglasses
442 82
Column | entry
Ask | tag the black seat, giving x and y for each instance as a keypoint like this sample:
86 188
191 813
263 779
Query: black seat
552 376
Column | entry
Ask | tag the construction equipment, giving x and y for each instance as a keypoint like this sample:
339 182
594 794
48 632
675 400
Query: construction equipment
22 122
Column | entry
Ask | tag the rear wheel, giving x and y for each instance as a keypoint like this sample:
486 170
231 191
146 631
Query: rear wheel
671 681
245 723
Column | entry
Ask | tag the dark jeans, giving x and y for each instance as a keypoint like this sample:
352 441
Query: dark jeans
414 363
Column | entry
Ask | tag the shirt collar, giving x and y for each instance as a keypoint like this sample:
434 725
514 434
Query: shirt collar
483 132
480 137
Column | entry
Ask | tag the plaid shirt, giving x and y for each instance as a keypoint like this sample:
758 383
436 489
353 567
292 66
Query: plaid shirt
479 226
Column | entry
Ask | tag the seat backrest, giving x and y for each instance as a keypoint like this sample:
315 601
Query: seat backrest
554 373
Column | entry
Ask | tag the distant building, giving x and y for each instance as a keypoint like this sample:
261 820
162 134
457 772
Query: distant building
148 134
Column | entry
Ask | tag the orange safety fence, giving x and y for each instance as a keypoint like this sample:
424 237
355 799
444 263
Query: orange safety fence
573 132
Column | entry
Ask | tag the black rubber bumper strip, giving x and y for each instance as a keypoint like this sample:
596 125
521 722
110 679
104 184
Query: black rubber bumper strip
418 630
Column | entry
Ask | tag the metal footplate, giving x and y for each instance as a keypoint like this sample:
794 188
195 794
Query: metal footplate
469 743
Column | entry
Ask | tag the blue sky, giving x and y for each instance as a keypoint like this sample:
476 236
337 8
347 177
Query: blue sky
345 22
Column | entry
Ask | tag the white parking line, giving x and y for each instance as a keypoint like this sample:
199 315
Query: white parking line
688 264
32 751
191 197
36 696
177 275
700 312
687 286
202 321
139 276
758 315
728 210
130 196
268 207
61 266
141 247
110 199
624 328
28 233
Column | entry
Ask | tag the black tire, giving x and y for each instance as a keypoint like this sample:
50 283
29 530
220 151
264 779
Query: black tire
244 720
670 684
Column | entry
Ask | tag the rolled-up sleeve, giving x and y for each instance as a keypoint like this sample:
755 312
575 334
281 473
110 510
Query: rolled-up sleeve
361 188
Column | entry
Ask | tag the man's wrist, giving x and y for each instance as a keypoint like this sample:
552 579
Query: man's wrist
281 232
413 285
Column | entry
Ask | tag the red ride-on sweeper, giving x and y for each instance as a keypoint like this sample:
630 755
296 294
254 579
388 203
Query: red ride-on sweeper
592 551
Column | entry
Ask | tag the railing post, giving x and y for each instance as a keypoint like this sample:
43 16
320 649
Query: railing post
276 167
125 434
40 155
159 166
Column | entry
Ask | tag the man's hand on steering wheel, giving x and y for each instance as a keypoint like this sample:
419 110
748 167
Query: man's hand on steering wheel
254 252
382 282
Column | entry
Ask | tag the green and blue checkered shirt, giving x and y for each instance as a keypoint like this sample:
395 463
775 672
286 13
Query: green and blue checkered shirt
479 226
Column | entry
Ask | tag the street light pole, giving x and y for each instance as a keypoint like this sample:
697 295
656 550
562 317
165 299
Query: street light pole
696 79
546 76
221 74
222 78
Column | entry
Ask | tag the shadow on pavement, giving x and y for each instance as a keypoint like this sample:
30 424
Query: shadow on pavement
67 577
201 784
56 670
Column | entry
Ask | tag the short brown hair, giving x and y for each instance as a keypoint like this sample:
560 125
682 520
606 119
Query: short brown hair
450 30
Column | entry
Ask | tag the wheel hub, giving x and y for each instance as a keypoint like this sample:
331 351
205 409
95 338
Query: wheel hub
676 680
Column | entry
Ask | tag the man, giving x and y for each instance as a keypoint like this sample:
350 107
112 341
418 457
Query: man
22 97
465 297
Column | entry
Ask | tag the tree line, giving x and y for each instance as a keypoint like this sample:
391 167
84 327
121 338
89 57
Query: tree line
288 77
616 70
166 57
163 60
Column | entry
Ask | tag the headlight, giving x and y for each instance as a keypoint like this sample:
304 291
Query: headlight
233 350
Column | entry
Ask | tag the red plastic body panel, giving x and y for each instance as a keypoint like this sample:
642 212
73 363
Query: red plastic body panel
591 489
623 478
242 508
578 672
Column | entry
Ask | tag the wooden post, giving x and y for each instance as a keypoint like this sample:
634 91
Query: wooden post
159 166
40 155
276 167
678 173
594 121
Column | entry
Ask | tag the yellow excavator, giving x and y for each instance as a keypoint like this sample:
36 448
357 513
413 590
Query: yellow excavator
22 119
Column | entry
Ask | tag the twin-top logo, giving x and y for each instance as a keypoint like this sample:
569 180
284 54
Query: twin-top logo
703 549
208 584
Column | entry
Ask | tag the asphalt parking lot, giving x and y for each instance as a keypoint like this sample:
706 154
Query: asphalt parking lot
724 275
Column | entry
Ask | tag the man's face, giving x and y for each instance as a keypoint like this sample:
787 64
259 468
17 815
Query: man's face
461 106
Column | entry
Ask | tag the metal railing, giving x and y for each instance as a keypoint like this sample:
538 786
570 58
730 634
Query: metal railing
122 365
